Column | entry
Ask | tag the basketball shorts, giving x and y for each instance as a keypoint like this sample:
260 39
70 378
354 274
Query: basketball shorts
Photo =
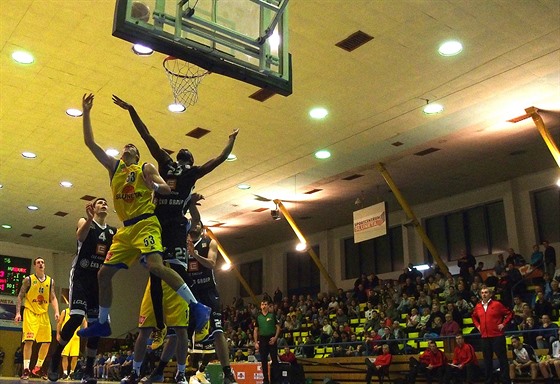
84 295
73 346
129 243
210 298
174 239
175 309
36 327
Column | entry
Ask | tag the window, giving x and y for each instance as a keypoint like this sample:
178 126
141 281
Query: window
252 273
547 214
380 255
479 230
303 275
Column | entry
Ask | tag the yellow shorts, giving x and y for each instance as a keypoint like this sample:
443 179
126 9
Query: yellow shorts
175 309
129 243
36 327
73 346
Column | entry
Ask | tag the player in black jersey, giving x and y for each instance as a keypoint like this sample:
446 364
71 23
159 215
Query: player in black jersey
94 240
181 176
203 253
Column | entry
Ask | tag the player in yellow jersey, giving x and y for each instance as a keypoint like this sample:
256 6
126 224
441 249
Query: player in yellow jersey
71 350
140 237
38 292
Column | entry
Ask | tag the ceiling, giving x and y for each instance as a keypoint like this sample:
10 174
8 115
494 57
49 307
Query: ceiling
374 94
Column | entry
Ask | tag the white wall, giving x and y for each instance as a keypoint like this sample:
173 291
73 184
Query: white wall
520 224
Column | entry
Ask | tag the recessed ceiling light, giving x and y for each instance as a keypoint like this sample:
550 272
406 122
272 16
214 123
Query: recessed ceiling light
318 113
32 207
23 57
177 108
29 155
322 154
73 112
66 184
300 247
231 157
112 152
433 108
142 50
6 226
226 266
243 186
450 48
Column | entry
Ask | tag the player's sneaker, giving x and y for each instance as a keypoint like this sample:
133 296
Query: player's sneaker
25 374
193 380
37 372
158 336
87 379
52 371
152 378
130 379
96 329
201 314
180 378
229 379
201 377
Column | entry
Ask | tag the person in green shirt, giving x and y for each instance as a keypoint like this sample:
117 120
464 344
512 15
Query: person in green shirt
266 334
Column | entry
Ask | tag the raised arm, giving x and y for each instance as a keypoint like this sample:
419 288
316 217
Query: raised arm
154 181
22 292
210 165
85 224
159 154
107 161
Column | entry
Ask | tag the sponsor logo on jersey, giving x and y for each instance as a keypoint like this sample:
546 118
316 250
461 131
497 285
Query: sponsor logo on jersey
101 249
40 300
84 263
128 194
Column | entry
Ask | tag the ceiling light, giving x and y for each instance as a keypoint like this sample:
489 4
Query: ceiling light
6 226
231 157
450 48
73 112
29 155
32 207
301 247
112 152
558 182
66 184
318 113
274 41
142 50
243 186
322 154
226 266
275 213
23 57
1 186
433 108
176 108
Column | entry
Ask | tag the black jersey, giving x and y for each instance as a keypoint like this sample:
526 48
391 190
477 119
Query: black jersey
181 179
202 277
91 253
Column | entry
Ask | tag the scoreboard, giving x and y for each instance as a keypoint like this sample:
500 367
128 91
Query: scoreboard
12 272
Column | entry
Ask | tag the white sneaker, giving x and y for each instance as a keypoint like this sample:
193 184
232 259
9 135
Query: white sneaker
193 380
201 377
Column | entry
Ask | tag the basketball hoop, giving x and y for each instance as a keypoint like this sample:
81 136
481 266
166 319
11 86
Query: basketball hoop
184 78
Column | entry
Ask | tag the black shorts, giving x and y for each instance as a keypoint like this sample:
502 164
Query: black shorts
84 294
174 239
210 298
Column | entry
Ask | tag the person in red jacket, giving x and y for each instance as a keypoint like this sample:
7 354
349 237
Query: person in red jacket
491 317
379 365
464 365
432 364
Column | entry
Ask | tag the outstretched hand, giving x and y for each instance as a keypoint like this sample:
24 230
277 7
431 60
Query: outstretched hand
196 197
87 102
121 103
233 135
89 211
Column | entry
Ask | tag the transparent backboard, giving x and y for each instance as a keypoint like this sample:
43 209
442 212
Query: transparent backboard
243 39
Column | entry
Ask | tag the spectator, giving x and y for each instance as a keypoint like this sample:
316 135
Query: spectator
479 267
542 306
450 327
465 261
551 361
373 343
524 359
464 364
431 364
549 258
379 365
554 296
529 331
515 258
500 265
547 332
326 332
239 356
537 258
277 296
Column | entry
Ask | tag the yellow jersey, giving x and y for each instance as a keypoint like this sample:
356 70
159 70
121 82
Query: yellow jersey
38 296
131 196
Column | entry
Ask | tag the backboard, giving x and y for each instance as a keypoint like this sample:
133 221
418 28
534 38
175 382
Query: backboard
243 39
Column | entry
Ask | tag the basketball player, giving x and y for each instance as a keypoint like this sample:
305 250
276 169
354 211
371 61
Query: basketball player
181 176
38 291
140 237
71 350
203 253
94 238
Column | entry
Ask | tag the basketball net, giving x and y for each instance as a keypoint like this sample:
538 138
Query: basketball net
184 78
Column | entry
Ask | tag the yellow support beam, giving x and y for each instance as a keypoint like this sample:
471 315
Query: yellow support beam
547 137
233 267
310 251
410 214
